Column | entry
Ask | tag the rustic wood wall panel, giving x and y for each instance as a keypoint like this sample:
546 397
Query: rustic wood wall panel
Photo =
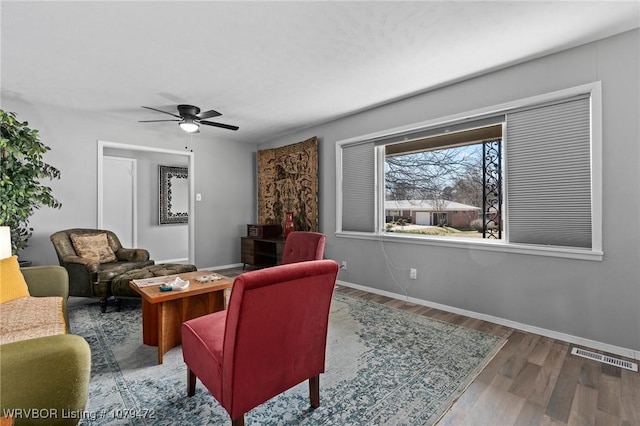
288 181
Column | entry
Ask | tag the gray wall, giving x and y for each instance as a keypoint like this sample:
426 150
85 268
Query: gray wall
592 300
224 176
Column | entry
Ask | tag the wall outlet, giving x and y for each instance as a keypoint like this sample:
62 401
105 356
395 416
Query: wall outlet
343 266
413 273
198 197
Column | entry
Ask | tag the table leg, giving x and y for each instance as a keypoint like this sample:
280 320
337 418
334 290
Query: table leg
169 326
149 323
171 314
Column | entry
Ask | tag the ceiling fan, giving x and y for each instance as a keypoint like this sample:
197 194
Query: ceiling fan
190 118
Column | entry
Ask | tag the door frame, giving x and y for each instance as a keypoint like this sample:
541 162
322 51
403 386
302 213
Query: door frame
128 147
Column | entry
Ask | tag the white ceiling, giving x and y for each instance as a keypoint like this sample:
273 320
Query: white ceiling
275 67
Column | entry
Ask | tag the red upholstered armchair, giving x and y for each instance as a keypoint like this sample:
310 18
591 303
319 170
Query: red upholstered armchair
301 246
272 336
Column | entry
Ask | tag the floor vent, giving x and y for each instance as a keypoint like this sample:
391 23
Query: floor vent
606 359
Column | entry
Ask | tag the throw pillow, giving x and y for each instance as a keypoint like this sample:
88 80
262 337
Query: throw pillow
93 246
12 283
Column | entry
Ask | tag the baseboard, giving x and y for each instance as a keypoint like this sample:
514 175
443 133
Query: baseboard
217 268
605 347
181 260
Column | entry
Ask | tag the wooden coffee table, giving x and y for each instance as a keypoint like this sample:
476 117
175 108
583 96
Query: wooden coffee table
163 312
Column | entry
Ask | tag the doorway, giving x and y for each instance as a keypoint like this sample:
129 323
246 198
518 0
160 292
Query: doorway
110 146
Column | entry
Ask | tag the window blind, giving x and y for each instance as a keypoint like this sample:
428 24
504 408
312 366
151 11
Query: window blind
452 138
358 187
548 170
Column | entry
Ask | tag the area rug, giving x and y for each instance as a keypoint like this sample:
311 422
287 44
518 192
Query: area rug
384 367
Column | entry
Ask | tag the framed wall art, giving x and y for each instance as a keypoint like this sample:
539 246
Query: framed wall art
288 182
174 195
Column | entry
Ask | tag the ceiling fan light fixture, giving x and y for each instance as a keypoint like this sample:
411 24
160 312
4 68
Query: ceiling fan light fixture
189 126
189 118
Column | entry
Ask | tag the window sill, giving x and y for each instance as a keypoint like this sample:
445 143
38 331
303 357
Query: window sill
485 245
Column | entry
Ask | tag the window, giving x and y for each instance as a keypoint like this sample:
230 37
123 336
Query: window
523 176
448 185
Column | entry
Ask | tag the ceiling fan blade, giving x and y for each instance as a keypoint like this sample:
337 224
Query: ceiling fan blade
159 110
154 121
208 114
224 126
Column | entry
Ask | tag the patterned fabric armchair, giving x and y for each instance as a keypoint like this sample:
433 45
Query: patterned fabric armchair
93 257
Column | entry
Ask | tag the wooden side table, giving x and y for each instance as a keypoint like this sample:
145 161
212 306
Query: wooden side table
164 312
261 252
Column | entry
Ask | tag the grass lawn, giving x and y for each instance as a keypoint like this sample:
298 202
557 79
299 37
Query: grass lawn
434 230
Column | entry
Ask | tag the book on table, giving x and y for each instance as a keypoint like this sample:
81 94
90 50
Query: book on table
148 282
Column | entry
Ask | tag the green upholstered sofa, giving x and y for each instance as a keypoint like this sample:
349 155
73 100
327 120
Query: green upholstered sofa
45 378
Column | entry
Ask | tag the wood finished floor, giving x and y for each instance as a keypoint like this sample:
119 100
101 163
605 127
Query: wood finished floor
533 380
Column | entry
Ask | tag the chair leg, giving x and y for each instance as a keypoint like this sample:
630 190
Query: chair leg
239 421
118 304
191 383
314 391
103 305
